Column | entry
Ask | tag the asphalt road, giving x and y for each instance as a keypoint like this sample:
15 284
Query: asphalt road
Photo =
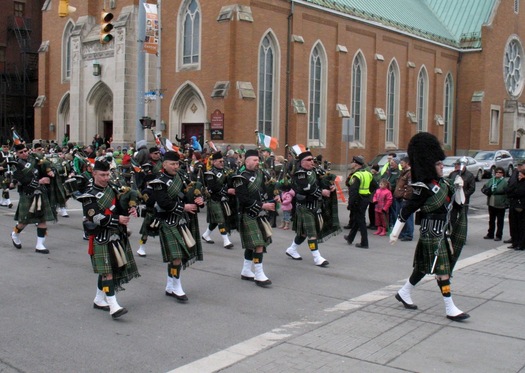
47 322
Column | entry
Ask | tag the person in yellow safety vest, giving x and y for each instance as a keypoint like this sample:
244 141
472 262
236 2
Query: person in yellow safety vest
386 166
359 191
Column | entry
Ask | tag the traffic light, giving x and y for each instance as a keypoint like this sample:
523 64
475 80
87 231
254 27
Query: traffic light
105 27
64 8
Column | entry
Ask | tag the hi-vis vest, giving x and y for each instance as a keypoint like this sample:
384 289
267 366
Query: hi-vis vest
365 179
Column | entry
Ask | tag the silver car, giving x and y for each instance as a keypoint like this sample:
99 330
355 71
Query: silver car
495 158
472 165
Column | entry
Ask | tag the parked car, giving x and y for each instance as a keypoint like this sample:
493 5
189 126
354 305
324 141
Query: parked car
495 158
472 165
517 154
380 159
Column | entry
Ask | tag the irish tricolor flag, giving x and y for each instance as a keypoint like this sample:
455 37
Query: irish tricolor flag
268 141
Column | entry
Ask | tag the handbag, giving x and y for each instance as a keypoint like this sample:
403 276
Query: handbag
486 190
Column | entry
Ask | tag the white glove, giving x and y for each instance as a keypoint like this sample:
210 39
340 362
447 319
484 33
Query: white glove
458 182
396 231
459 195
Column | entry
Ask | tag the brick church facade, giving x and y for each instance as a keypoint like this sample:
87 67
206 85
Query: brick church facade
295 70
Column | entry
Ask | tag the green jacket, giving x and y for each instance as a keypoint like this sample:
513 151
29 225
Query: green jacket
498 195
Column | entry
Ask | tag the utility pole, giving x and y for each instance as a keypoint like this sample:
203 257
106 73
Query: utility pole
139 102
158 116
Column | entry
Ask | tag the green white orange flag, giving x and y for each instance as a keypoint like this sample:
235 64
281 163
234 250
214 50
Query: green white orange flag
268 141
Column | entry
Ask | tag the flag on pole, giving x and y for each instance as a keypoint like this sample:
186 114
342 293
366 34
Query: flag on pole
16 138
157 139
268 141
212 146
170 146
298 149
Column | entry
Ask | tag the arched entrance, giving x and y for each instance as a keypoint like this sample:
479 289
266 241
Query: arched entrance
63 123
99 113
188 114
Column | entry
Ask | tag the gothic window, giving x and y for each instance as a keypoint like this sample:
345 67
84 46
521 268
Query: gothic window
190 26
448 101
358 97
422 100
512 67
268 82
317 97
392 104
66 51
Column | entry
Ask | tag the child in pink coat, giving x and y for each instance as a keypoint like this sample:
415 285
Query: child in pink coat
287 195
382 202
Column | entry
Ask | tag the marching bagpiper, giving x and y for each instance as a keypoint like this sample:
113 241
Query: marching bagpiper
34 206
220 209
179 243
109 248
7 160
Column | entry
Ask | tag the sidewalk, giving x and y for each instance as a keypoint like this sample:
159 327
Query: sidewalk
374 333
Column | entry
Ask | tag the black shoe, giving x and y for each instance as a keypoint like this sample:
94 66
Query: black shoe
10 205
247 278
229 246
371 227
181 298
405 239
119 313
519 248
462 316
512 247
46 251
263 284
488 237
407 306
347 240
207 241
299 258
103 308
497 239
348 226
508 241
18 246
361 246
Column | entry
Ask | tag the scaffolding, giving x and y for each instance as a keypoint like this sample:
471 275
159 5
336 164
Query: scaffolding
18 82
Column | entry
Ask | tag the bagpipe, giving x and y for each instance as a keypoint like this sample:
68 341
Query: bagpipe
128 195
193 180
9 164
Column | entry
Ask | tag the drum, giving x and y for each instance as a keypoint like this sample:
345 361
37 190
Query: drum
70 186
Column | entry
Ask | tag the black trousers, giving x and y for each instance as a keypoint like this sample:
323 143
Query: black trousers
358 222
517 227
496 218
514 226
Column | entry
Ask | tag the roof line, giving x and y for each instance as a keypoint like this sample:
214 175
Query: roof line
307 3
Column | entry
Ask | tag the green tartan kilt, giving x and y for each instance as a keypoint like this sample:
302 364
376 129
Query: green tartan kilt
305 223
145 229
424 256
252 235
214 212
23 216
173 246
101 263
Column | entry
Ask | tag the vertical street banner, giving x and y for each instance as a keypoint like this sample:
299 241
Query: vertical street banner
151 42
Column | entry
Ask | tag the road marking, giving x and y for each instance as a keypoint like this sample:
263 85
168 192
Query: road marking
234 354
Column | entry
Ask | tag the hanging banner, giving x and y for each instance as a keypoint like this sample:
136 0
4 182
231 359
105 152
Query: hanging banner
151 42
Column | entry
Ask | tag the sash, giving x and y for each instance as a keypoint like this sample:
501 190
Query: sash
255 185
439 198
